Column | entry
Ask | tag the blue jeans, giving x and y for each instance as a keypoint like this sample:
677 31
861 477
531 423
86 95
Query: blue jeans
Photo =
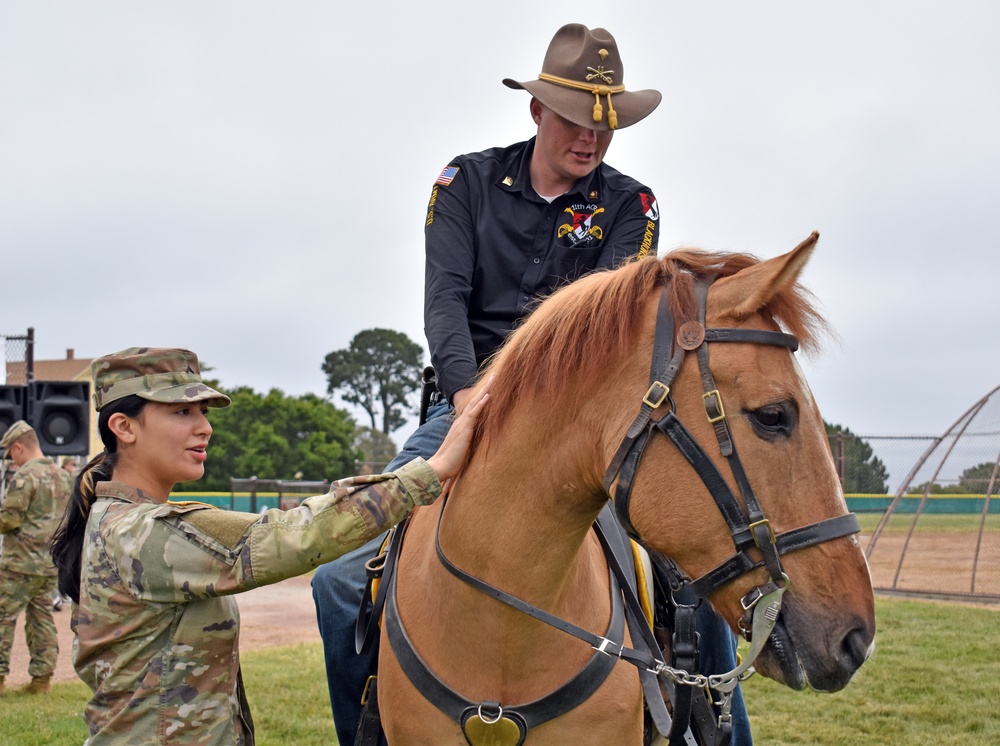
717 654
339 585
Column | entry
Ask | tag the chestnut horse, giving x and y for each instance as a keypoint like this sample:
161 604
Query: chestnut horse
566 389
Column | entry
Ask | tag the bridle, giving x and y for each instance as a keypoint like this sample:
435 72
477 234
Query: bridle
749 527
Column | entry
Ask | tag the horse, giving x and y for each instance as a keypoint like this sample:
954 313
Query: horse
574 413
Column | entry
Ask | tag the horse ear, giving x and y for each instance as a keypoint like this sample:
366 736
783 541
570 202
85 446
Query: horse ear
751 289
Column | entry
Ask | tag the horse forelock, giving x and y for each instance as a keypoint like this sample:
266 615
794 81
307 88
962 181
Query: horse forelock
571 336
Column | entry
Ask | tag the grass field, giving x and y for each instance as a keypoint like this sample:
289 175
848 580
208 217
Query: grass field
932 680
947 522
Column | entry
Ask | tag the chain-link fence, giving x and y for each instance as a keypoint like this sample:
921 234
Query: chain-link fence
936 529
876 464
18 355
17 369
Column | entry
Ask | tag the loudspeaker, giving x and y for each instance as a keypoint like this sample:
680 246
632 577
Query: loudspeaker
60 414
11 406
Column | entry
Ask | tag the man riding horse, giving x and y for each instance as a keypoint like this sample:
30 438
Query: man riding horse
505 227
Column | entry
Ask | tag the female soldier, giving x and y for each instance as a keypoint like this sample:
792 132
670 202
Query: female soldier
157 629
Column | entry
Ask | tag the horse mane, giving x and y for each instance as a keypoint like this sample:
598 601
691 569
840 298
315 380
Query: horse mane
582 325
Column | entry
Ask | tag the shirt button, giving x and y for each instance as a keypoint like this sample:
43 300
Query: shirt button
524 298
536 260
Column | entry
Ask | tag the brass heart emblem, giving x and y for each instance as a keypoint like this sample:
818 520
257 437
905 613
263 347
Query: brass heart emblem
500 732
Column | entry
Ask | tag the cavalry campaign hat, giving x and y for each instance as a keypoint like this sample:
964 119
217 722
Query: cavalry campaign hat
14 432
583 80
168 376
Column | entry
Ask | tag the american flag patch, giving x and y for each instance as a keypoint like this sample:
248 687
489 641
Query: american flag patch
447 174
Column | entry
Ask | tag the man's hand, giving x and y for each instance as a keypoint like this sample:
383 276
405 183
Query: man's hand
451 455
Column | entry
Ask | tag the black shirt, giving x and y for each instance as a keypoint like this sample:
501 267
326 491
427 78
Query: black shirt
494 248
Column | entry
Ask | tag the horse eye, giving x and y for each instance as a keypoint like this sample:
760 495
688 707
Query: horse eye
770 418
776 420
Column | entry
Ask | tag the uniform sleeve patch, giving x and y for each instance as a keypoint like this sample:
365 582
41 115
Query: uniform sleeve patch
447 175
649 207
226 527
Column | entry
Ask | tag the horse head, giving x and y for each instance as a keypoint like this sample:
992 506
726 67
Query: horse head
744 416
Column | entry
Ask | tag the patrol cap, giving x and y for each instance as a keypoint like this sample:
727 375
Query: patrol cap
14 432
583 80
160 374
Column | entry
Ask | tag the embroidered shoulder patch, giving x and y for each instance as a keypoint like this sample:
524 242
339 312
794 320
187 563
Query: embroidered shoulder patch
649 207
226 527
447 175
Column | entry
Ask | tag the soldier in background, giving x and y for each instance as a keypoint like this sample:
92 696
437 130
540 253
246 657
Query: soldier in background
31 511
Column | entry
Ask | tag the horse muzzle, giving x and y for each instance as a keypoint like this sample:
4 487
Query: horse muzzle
813 651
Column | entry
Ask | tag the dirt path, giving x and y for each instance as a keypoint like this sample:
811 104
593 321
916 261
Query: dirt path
280 614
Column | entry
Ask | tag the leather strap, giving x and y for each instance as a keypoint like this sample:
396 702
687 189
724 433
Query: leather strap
370 725
607 644
366 627
577 690
662 371
787 541
752 336
616 548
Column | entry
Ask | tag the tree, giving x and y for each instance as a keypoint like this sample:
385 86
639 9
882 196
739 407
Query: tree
273 436
379 370
860 469
374 445
976 479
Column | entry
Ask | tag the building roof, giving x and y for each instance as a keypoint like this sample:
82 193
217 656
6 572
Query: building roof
72 368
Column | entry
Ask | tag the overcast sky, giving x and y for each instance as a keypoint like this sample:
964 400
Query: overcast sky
249 179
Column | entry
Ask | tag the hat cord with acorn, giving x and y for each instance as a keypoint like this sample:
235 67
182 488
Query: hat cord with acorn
582 62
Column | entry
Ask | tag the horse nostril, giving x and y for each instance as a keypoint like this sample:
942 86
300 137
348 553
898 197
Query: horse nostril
854 648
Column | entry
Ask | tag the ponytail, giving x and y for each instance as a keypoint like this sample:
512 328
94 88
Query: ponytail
67 542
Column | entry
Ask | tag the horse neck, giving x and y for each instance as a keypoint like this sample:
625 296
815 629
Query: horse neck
518 518
519 515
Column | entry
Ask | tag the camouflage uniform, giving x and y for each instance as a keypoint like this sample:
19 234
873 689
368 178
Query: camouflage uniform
157 630
31 511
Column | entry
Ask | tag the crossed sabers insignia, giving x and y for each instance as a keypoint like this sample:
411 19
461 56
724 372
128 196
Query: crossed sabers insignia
591 230
600 72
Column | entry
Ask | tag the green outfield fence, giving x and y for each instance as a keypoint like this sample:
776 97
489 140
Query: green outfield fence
936 504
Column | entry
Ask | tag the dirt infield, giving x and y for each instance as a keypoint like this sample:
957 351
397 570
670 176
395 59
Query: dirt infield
280 614
936 562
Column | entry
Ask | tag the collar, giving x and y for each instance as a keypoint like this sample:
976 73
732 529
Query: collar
122 491
515 176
